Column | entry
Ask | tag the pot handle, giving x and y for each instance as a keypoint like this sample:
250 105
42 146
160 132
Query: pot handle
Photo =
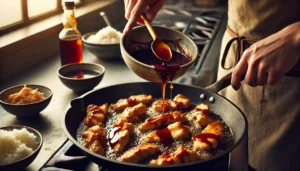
220 84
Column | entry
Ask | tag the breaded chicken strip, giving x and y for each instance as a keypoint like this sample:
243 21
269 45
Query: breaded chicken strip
122 104
169 105
181 155
139 153
162 120
133 114
142 98
175 131
203 108
201 115
202 119
210 137
95 139
180 102
119 135
95 115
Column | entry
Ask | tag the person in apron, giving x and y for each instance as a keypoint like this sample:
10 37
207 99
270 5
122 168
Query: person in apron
273 111
270 31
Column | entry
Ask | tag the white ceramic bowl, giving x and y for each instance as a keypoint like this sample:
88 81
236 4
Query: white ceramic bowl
23 163
102 51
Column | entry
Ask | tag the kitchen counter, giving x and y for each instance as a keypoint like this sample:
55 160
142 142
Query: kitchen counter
49 121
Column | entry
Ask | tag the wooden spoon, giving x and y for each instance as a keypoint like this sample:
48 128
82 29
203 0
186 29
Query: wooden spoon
160 49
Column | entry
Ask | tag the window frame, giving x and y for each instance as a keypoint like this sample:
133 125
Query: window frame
25 20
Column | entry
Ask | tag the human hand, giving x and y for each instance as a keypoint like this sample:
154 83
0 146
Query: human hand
267 60
135 8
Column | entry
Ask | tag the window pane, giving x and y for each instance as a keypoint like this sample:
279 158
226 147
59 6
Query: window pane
11 12
76 1
37 7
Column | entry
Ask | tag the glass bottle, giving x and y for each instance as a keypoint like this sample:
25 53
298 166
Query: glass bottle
70 37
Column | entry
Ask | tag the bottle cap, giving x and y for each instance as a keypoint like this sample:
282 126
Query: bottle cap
69 4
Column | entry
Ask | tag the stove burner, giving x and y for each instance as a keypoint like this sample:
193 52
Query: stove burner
69 157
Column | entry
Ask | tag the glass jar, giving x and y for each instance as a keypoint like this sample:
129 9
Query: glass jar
70 37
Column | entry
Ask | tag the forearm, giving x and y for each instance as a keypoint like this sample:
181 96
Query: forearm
294 31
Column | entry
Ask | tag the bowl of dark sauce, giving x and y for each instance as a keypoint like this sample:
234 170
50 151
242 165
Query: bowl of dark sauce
81 77
138 56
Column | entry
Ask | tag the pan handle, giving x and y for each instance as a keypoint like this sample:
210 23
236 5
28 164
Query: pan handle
220 84
226 80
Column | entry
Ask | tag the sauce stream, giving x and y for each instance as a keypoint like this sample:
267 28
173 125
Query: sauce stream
166 70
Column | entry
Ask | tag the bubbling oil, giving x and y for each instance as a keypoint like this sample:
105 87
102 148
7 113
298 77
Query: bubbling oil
138 136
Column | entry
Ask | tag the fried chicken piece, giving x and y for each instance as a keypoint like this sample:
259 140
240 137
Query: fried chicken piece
139 153
133 114
122 104
95 139
119 135
95 114
175 131
169 105
182 102
201 115
202 119
181 155
203 108
210 136
162 120
142 98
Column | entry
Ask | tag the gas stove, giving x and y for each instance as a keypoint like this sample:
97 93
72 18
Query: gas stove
206 27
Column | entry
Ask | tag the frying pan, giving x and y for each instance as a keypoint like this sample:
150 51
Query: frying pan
229 113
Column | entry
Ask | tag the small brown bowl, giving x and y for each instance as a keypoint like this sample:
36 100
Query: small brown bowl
140 38
24 110
23 163
78 83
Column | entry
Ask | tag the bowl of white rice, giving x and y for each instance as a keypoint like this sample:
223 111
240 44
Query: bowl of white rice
104 44
19 146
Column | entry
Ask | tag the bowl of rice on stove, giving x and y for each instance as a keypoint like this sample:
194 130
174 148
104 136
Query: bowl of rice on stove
19 146
25 100
104 44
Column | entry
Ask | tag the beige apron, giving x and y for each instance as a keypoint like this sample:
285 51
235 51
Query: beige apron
273 112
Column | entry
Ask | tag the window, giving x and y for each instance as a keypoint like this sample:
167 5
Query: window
18 13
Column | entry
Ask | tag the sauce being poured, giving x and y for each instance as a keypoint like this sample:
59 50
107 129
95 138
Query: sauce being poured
163 118
166 70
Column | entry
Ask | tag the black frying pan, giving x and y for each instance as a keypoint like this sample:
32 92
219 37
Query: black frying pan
233 116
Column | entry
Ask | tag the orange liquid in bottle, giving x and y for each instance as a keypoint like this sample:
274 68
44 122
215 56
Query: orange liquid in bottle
71 51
